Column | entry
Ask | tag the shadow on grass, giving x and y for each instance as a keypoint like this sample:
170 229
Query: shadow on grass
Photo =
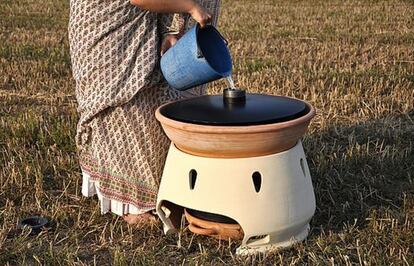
361 169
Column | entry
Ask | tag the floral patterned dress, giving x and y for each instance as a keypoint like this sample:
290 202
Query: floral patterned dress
115 49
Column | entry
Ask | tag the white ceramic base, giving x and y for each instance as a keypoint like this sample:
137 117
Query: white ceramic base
276 216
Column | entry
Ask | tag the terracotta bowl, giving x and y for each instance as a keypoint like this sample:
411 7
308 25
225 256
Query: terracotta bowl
214 229
235 141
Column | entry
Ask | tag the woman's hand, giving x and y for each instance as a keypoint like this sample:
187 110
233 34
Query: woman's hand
176 6
167 42
200 15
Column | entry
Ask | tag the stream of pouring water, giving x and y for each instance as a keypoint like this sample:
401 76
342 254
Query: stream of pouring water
230 82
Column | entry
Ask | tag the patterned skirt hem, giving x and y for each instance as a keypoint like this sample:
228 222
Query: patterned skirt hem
111 201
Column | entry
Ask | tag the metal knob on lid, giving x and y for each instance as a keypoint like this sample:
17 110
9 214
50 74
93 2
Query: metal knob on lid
234 95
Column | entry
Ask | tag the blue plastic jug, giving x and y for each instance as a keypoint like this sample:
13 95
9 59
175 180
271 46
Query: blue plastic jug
199 56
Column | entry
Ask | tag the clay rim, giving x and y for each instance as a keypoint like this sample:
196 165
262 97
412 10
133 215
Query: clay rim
235 129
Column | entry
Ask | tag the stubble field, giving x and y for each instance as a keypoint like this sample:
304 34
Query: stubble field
353 60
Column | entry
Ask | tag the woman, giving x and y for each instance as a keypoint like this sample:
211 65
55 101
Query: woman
115 50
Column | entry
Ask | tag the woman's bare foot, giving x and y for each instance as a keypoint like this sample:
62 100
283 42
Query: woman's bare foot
139 218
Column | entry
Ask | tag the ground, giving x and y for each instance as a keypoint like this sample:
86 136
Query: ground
353 60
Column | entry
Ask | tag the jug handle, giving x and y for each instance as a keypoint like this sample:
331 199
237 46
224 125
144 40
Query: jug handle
199 53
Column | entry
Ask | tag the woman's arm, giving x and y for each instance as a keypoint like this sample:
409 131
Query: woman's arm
172 23
175 6
171 27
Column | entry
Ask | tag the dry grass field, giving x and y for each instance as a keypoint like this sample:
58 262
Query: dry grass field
353 60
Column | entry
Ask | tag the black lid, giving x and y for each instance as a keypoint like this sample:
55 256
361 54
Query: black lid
255 109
